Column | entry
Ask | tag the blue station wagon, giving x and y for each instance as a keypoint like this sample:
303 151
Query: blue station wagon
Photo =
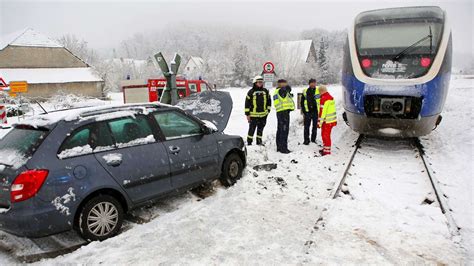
83 169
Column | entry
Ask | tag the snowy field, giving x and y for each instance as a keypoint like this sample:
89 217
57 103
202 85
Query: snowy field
285 216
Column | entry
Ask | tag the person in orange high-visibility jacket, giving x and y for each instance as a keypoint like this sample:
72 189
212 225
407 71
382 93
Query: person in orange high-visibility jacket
327 119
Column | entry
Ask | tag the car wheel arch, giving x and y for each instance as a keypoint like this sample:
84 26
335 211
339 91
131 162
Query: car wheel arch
102 191
234 151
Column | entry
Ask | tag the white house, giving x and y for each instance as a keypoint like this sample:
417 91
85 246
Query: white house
194 67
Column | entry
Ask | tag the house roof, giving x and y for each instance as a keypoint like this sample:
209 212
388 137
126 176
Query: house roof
27 37
292 53
49 75
198 61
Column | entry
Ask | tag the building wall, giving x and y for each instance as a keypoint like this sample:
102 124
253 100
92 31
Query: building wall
43 91
38 57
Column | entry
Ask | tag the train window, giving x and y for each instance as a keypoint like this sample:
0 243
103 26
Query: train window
397 35
397 50
203 87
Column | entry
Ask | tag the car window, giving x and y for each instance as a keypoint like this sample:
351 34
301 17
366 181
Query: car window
20 143
131 131
100 138
176 125
77 143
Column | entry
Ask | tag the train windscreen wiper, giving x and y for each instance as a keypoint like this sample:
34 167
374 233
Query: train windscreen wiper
405 51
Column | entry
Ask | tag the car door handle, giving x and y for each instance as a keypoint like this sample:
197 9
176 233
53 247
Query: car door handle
113 159
174 149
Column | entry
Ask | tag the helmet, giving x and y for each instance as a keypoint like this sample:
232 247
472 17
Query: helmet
256 78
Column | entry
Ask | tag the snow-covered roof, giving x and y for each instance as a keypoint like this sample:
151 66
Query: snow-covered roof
49 75
127 61
197 61
291 55
27 37
293 50
97 113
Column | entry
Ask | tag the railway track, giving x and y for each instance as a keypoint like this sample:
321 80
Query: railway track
426 173
371 153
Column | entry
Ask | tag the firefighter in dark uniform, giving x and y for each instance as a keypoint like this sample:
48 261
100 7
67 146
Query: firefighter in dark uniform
257 106
310 108
283 101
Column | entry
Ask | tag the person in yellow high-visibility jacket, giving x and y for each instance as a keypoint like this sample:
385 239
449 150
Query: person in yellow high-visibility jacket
283 102
310 108
327 119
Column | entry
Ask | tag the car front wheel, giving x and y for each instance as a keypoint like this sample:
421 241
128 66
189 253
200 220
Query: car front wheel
100 218
231 170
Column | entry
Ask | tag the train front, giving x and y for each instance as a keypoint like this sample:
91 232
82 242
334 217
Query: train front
396 71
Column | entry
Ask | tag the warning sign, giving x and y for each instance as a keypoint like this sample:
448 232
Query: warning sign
18 86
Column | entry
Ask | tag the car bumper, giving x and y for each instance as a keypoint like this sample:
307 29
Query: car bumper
34 222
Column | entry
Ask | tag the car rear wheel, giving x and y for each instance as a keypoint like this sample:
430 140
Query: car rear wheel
100 218
231 170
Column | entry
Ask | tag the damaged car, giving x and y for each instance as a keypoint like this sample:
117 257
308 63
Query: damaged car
85 168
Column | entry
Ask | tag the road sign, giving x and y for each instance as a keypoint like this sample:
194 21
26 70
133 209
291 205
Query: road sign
18 86
268 67
3 84
268 79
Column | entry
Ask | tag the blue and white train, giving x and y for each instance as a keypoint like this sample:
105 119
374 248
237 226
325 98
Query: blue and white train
396 71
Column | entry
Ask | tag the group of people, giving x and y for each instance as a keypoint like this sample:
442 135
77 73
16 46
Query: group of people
317 106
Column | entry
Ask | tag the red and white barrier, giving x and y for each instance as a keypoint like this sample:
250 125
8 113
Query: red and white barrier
3 114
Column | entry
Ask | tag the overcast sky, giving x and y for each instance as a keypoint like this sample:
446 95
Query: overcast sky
103 24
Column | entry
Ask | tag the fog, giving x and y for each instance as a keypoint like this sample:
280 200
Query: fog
105 23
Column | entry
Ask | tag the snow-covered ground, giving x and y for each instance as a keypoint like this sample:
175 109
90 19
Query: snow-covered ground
284 216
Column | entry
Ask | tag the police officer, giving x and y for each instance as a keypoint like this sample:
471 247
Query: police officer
283 101
310 106
257 106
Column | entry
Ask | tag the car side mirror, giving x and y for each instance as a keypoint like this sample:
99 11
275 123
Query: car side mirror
209 128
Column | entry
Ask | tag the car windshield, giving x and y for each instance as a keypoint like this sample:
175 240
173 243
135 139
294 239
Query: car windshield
20 143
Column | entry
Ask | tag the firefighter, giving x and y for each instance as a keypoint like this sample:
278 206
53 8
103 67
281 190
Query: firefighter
327 119
283 102
257 106
310 108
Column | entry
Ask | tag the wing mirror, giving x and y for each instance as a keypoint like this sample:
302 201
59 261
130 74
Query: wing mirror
209 127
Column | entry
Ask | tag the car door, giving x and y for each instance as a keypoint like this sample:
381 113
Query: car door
137 161
193 154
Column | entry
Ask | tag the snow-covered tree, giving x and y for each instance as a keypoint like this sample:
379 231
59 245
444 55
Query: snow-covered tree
324 76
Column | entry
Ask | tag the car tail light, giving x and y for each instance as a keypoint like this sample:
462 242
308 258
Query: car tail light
27 184
181 94
425 61
366 63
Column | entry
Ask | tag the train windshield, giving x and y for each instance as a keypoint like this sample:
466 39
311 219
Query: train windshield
396 47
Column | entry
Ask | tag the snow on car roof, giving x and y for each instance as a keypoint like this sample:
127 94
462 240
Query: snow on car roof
94 112
27 37
50 75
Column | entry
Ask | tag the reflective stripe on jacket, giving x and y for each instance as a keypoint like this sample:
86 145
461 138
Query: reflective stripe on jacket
317 98
283 103
328 110
257 102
